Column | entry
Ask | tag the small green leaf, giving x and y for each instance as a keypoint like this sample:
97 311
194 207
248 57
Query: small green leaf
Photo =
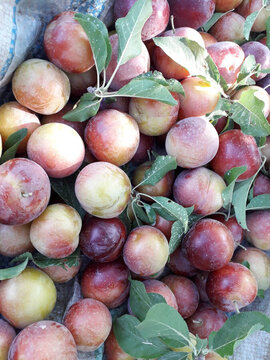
133 343
129 30
259 202
248 68
87 107
230 177
176 235
248 113
212 69
261 293
236 329
140 301
147 89
171 84
174 355
249 23
64 187
216 16
246 264
165 322
160 167
147 216
201 344
14 271
267 27
98 36
12 144
170 210
71 260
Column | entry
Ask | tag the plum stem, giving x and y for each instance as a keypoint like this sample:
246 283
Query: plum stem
172 23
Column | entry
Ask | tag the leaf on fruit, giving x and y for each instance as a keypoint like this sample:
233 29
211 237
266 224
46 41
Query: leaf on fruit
129 30
98 36
71 260
216 16
12 144
140 301
147 89
212 69
248 68
86 108
236 329
248 113
14 271
170 210
259 202
187 53
171 84
147 216
230 178
246 264
64 187
261 293
249 23
165 322
222 108
133 343
176 236
160 167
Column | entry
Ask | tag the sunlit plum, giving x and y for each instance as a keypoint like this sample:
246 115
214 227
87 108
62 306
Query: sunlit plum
90 323
79 82
14 117
231 287
27 298
185 292
247 7
146 250
164 226
191 13
201 188
207 38
261 185
40 86
208 245
258 233
259 265
237 149
132 68
112 136
60 159
7 334
226 5
260 93
66 44
55 233
103 189
159 287
193 141
232 224
180 265
145 146
107 282
168 67
155 24
228 58
205 320
261 54
62 275
15 240
154 117
201 97
229 27
25 191
113 351
58 118
44 340
162 188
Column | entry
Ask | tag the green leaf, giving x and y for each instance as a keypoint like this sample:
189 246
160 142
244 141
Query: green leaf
71 260
160 167
98 36
174 355
171 84
236 329
230 177
147 216
87 107
223 107
165 322
187 53
201 344
261 293
267 27
212 69
216 16
246 264
170 210
12 144
140 301
248 113
176 236
259 202
129 30
147 89
14 271
64 187
248 68
249 23
133 343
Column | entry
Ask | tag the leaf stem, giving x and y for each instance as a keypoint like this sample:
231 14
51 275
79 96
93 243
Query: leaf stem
236 307
134 212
